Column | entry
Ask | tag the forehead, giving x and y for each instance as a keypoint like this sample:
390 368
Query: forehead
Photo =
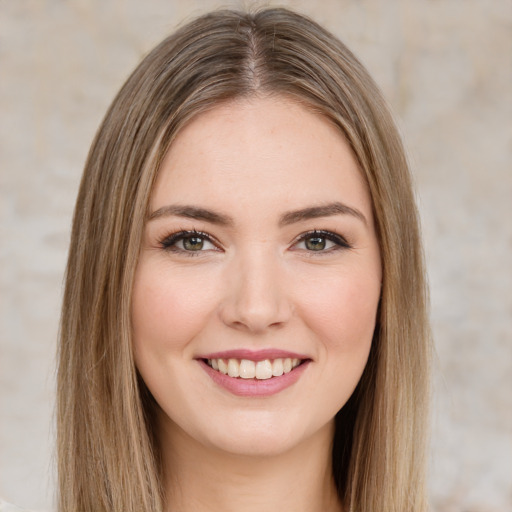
263 152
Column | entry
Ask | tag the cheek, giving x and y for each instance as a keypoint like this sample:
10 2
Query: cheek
342 312
166 313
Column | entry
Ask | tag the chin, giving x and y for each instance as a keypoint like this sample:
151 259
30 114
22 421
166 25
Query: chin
262 438
264 444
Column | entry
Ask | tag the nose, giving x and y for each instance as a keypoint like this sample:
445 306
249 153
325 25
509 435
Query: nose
256 294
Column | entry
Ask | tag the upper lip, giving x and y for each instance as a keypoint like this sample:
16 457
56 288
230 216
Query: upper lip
253 355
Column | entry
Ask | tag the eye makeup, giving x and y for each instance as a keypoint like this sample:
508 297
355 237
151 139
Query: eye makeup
189 242
320 241
194 242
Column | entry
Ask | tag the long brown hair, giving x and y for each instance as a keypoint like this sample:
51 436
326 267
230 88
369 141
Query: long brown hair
107 456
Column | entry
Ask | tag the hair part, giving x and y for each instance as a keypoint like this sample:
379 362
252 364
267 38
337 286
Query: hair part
108 456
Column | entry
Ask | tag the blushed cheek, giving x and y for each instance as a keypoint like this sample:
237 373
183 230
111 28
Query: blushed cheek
166 314
345 314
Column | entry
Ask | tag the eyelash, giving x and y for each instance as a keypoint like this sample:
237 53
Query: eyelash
340 241
169 242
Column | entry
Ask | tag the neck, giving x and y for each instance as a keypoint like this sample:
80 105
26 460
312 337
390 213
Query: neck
202 479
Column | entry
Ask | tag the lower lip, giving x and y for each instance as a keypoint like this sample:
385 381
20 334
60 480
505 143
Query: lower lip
255 387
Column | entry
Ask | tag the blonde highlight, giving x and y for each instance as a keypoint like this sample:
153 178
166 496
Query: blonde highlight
107 454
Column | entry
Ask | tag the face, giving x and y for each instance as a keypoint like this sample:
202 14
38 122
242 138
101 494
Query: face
256 292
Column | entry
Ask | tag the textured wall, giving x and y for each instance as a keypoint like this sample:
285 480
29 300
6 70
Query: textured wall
446 68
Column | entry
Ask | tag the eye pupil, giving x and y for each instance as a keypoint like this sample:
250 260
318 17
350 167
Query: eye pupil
315 243
193 243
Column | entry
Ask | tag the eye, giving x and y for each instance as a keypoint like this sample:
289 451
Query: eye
320 241
188 241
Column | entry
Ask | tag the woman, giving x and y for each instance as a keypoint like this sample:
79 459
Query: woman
244 321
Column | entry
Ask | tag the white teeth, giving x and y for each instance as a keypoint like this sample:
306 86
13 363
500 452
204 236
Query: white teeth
264 369
277 368
223 367
247 369
233 368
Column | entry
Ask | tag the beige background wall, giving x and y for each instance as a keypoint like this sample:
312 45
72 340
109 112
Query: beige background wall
446 68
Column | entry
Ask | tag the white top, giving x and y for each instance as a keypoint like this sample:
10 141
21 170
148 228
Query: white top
7 507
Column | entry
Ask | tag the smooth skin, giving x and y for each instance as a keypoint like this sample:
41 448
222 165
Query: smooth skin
260 236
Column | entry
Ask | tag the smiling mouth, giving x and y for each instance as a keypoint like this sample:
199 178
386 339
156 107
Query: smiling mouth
260 370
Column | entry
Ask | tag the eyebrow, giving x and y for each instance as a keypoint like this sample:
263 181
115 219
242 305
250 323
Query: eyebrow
312 212
192 212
